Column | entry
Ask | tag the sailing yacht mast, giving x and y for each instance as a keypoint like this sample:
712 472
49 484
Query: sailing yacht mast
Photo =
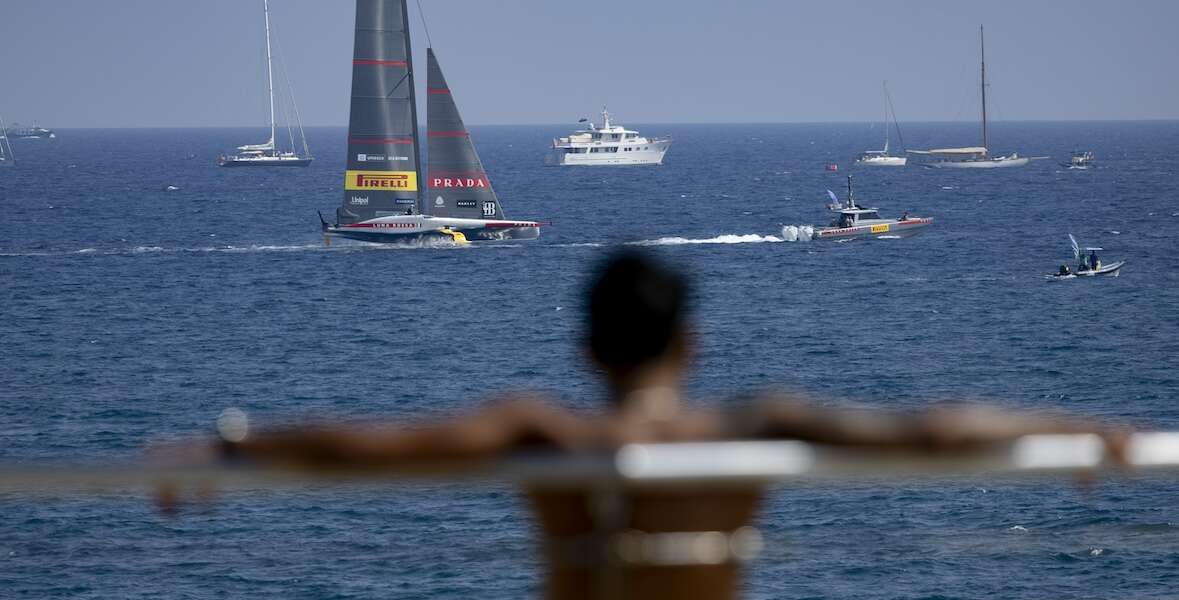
983 56
269 71
885 122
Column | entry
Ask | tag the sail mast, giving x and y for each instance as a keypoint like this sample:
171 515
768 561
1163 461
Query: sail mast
885 121
983 56
269 71
413 106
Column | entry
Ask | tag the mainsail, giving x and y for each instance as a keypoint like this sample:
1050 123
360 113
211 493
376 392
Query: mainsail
382 162
457 185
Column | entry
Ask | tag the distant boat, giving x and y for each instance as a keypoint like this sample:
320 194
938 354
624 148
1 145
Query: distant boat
1087 265
268 154
881 158
976 157
1080 159
7 159
16 132
383 201
610 144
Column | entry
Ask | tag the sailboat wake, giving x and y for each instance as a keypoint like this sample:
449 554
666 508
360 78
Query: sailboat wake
749 238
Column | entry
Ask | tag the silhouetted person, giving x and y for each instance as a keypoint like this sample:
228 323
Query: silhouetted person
637 332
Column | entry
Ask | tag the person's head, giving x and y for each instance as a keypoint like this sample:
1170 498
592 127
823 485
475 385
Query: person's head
636 322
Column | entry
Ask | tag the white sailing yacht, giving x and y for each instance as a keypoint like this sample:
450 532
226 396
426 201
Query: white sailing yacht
881 158
975 157
6 157
268 154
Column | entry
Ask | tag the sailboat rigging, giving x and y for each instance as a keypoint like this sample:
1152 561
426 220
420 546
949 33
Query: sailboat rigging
384 199
881 157
976 157
268 154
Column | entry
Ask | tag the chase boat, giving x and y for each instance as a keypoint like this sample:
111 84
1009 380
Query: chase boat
856 222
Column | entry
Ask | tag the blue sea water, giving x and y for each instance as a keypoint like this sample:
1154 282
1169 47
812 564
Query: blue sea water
130 313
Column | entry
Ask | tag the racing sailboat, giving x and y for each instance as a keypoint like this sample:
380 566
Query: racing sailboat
975 157
268 154
383 196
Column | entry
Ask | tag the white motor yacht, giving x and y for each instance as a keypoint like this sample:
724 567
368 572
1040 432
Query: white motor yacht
609 144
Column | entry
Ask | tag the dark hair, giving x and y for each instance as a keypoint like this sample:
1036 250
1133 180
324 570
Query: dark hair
636 310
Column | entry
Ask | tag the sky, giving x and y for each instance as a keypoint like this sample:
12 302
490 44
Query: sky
199 63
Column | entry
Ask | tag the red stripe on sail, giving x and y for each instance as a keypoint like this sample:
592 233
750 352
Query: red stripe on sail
383 63
437 91
448 134
405 140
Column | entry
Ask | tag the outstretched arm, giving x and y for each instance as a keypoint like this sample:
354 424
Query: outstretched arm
946 427
499 428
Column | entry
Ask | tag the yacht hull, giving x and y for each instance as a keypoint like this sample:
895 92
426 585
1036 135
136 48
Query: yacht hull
653 155
884 161
415 228
985 163
258 162
896 229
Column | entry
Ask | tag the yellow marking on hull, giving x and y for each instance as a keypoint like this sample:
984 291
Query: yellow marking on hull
457 236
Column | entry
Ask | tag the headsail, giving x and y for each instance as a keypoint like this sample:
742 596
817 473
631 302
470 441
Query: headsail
382 162
457 185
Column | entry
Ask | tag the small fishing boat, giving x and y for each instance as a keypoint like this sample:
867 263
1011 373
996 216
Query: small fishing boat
856 222
1080 159
1087 265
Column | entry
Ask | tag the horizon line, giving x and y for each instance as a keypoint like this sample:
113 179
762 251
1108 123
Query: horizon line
550 124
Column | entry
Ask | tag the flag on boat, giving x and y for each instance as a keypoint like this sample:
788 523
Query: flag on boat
834 200
582 120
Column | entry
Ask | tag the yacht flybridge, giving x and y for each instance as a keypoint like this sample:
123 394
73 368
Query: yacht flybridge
268 154
384 196
975 157
609 144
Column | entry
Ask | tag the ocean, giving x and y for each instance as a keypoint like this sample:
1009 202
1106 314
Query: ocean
131 313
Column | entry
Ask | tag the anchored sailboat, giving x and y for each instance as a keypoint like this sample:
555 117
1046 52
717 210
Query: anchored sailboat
268 154
6 157
976 157
882 158
383 201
